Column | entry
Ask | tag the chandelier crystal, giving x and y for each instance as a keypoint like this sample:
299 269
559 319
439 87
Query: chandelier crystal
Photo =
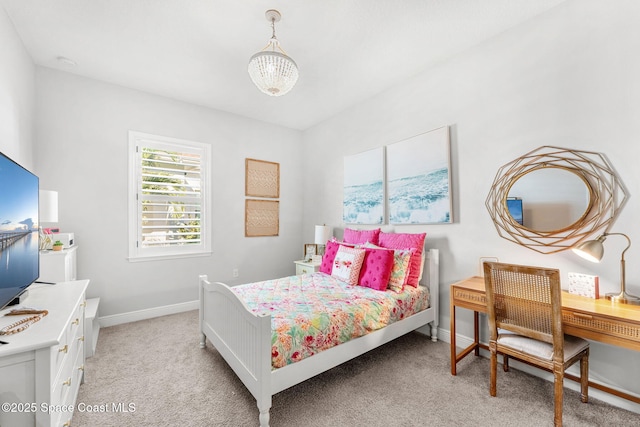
271 70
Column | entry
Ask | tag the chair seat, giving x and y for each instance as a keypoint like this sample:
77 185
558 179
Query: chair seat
572 345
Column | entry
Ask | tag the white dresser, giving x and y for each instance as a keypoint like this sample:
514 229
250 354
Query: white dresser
42 367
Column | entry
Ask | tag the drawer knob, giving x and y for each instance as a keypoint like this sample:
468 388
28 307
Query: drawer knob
76 322
81 338
81 368
83 304
64 349
67 382
67 424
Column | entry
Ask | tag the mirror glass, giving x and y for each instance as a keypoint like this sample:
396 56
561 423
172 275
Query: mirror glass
551 198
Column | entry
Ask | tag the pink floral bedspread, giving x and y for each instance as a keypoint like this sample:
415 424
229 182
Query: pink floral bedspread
313 312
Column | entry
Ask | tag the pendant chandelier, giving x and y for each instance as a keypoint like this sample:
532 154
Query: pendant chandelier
271 70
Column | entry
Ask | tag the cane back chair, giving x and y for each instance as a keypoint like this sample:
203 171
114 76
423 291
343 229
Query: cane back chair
525 322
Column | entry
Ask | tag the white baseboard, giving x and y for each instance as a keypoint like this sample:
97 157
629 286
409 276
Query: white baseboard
464 342
134 316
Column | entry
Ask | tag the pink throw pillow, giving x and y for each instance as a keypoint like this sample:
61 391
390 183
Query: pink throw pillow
376 268
407 241
400 271
347 264
359 237
330 251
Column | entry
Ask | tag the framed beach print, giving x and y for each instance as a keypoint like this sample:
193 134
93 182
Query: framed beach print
262 178
419 179
261 218
363 191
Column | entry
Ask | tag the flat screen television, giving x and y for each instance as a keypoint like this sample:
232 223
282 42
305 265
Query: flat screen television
19 237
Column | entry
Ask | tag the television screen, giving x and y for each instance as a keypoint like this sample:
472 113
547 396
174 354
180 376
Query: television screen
515 209
19 237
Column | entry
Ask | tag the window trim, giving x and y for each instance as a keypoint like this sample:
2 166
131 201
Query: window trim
159 253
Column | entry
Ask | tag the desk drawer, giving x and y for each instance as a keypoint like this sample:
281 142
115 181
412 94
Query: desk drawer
602 328
470 299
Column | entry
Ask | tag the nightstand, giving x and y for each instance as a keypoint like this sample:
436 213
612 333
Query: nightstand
305 267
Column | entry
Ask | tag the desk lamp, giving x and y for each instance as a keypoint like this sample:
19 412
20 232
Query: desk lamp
593 250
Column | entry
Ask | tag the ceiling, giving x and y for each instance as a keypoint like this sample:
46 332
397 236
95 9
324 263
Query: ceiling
197 51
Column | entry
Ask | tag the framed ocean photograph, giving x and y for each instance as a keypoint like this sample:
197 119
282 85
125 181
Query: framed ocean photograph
419 179
363 199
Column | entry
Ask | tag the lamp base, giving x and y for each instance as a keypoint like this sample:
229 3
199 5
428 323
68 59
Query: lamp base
623 298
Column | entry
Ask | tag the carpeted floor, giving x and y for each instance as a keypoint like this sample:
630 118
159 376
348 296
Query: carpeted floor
152 373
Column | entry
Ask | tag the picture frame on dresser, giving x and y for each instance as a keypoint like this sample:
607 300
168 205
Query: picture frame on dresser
310 249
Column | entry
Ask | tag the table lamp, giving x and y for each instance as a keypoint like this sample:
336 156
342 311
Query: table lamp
593 250
47 212
322 234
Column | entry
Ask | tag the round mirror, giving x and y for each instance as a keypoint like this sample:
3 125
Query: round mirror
549 198
566 196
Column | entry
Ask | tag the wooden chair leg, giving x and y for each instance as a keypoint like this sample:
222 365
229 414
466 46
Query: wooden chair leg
558 381
584 377
494 369
505 362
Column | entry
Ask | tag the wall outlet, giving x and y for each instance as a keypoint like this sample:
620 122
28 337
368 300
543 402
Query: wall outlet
482 260
236 273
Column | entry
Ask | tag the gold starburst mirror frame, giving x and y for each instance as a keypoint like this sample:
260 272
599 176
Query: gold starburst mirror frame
605 197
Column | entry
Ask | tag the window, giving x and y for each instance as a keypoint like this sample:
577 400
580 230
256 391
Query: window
168 197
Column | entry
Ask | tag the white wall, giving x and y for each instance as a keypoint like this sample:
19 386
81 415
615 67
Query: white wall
82 140
17 96
567 78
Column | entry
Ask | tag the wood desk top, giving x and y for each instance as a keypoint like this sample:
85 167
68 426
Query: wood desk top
600 306
597 319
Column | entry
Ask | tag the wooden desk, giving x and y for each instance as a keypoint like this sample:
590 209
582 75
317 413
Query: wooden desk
593 319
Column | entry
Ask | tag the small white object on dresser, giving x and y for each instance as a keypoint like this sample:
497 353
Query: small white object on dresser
42 366
305 267
58 266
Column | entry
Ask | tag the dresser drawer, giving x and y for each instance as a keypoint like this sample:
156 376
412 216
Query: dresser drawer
59 353
306 268
72 332
62 383
303 269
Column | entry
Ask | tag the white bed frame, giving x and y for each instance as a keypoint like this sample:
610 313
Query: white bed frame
244 339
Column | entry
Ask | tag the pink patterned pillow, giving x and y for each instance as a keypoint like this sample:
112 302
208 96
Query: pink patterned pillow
376 268
360 237
347 264
400 271
407 241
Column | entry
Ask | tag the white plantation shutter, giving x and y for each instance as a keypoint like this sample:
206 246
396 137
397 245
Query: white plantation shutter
169 197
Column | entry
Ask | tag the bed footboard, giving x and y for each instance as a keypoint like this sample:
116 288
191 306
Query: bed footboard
242 338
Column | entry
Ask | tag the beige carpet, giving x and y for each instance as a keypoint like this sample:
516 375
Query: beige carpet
152 373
